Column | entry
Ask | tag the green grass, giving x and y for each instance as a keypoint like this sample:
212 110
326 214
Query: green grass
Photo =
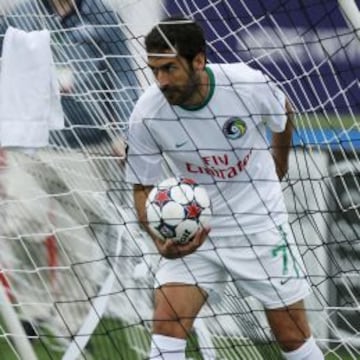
110 343
128 354
318 121
8 354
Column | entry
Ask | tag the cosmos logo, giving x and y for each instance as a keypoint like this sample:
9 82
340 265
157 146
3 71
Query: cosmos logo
234 128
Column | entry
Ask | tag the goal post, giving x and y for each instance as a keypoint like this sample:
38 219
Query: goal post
352 14
14 326
81 271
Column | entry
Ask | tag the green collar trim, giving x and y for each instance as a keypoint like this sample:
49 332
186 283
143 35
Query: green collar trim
209 95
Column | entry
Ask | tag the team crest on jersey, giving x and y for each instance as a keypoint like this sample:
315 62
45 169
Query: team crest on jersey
234 128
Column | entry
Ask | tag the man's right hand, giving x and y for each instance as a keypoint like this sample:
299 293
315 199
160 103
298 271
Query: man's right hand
3 159
173 250
119 148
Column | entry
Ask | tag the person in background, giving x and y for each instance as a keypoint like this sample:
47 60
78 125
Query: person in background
209 123
63 198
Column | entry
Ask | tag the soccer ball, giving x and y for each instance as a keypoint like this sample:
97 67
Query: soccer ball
176 208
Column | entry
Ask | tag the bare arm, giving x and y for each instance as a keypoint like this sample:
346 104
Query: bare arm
141 193
281 143
168 248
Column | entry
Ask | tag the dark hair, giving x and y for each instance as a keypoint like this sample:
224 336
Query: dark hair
185 35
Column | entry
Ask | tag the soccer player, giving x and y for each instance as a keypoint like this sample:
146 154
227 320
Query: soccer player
208 122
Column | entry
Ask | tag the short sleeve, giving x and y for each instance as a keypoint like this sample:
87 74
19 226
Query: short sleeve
272 103
144 160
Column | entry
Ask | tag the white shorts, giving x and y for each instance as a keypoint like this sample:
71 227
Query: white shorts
266 265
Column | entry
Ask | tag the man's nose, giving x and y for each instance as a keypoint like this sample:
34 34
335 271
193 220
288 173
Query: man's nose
162 79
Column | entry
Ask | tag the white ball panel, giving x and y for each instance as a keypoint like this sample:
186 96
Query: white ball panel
202 197
172 213
205 217
153 213
168 183
185 231
188 191
182 194
153 218
152 194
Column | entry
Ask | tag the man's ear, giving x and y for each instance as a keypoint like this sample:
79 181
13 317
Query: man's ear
199 62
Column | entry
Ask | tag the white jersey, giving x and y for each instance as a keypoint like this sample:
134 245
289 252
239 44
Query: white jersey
222 145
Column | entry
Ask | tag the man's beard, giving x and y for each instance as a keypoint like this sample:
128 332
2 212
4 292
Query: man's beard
180 95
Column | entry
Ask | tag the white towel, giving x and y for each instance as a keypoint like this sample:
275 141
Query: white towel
29 92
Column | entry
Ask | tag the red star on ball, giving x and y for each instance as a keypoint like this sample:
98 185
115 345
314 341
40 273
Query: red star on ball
162 197
193 211
188 181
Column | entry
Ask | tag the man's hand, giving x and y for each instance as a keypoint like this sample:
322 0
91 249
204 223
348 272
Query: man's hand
3 159
119 148
172 250
65 78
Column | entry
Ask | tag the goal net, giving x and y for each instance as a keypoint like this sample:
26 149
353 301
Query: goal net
76 271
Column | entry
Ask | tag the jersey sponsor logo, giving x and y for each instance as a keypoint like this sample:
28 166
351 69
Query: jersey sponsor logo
179 145
234 128
218 166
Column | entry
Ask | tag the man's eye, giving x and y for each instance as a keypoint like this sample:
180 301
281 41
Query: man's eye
171 68
166 68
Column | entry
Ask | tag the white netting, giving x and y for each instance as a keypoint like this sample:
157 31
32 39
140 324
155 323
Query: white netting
73 259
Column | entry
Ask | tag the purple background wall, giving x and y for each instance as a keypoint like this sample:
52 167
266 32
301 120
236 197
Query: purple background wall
306 71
